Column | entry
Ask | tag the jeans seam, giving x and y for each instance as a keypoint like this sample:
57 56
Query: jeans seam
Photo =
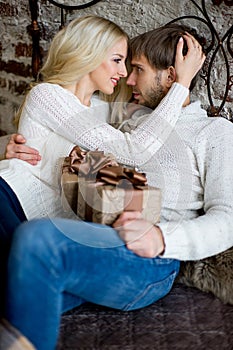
171 277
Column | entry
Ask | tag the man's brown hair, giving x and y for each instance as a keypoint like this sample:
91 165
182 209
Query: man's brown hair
159 46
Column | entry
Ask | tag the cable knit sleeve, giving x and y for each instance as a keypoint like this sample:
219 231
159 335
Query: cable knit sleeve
59 110
212 232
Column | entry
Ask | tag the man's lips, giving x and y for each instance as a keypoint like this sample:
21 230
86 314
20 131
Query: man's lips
136 95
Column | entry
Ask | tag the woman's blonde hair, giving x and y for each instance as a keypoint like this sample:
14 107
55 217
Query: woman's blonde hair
78 49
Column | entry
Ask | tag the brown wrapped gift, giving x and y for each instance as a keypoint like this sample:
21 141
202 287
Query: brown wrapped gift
80 164
103 189
69 183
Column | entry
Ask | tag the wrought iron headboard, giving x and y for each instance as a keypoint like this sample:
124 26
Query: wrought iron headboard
35 30
219 44
212 50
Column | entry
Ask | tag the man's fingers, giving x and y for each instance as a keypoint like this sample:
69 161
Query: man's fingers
134 230
125 217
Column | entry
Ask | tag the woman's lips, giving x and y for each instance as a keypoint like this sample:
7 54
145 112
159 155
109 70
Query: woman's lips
114 81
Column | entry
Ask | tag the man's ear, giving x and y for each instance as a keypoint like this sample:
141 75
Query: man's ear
171 76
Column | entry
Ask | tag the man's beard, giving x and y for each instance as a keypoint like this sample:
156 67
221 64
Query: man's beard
154 95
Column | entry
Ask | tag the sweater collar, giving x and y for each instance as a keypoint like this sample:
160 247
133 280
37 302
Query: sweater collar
194 109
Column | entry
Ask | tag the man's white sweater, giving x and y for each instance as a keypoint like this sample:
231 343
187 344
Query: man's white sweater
194 171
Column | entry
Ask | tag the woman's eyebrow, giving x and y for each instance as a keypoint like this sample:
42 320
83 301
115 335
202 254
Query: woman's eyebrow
118 54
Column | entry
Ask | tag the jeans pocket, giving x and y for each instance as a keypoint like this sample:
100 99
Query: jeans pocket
152 293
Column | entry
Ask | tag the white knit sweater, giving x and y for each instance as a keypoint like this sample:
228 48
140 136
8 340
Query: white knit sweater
193 166
54 120
194 171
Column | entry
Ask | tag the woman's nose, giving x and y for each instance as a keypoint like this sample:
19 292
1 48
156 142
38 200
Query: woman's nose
123 71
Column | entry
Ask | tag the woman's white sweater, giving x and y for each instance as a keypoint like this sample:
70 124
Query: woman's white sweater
54 120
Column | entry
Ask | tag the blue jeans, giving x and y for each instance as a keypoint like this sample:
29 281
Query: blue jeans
55 265
11 215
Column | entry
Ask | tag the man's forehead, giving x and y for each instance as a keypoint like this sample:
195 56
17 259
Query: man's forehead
139 61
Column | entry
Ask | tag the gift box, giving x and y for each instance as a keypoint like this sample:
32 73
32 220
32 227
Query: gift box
69 183
102 203
98 189
78 165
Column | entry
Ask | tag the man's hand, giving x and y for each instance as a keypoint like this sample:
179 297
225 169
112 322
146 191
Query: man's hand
188 66
139 235
16 148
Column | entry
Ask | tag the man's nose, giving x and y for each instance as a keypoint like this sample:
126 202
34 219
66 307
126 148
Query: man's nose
131 80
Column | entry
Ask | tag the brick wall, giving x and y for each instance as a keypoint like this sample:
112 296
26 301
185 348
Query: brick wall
15 59
134 16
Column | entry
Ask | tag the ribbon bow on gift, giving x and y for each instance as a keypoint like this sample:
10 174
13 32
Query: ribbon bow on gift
122 176
87 163
96 165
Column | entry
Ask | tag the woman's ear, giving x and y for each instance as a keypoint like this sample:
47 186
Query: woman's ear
171 76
